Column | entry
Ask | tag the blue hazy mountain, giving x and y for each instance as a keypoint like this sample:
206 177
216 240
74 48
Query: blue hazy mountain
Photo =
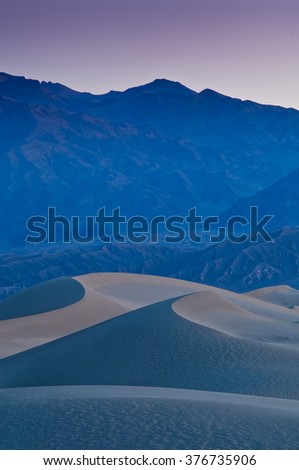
153 149
235 266
281 199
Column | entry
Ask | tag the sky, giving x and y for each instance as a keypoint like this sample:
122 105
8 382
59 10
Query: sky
243 48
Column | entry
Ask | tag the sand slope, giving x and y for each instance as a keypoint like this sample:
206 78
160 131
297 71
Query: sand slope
224 366
42 298
108 295
153 346
144 418
213 310
285 296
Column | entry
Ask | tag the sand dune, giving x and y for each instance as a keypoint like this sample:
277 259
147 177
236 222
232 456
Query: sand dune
108 295
42 298
153 346
20 334
237 354
137 290
214 311
285 296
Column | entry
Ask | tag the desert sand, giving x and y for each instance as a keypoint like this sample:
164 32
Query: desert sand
109 295
236 317
106 296
144 418
285 296
148 362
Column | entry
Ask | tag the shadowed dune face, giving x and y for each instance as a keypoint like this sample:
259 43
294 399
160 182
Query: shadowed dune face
42 298
99 297
106 296
155 347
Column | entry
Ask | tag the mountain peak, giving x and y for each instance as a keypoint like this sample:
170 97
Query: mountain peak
6 77
209 93
162 85
33 90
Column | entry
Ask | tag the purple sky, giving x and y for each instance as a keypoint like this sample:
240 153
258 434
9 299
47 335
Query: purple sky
243 48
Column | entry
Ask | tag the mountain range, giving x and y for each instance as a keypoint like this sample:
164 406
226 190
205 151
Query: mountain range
238 267
160 148
280 199
155 149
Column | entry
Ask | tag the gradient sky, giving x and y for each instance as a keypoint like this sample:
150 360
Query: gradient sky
242 48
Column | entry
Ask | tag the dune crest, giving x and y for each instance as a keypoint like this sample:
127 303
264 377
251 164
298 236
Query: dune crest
109 295
284 296
213 310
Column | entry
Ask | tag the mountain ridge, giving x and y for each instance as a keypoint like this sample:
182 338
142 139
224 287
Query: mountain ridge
281 199
166 85
147 153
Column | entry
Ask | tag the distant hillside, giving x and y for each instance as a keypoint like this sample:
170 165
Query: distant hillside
281 199
238 267
158 148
